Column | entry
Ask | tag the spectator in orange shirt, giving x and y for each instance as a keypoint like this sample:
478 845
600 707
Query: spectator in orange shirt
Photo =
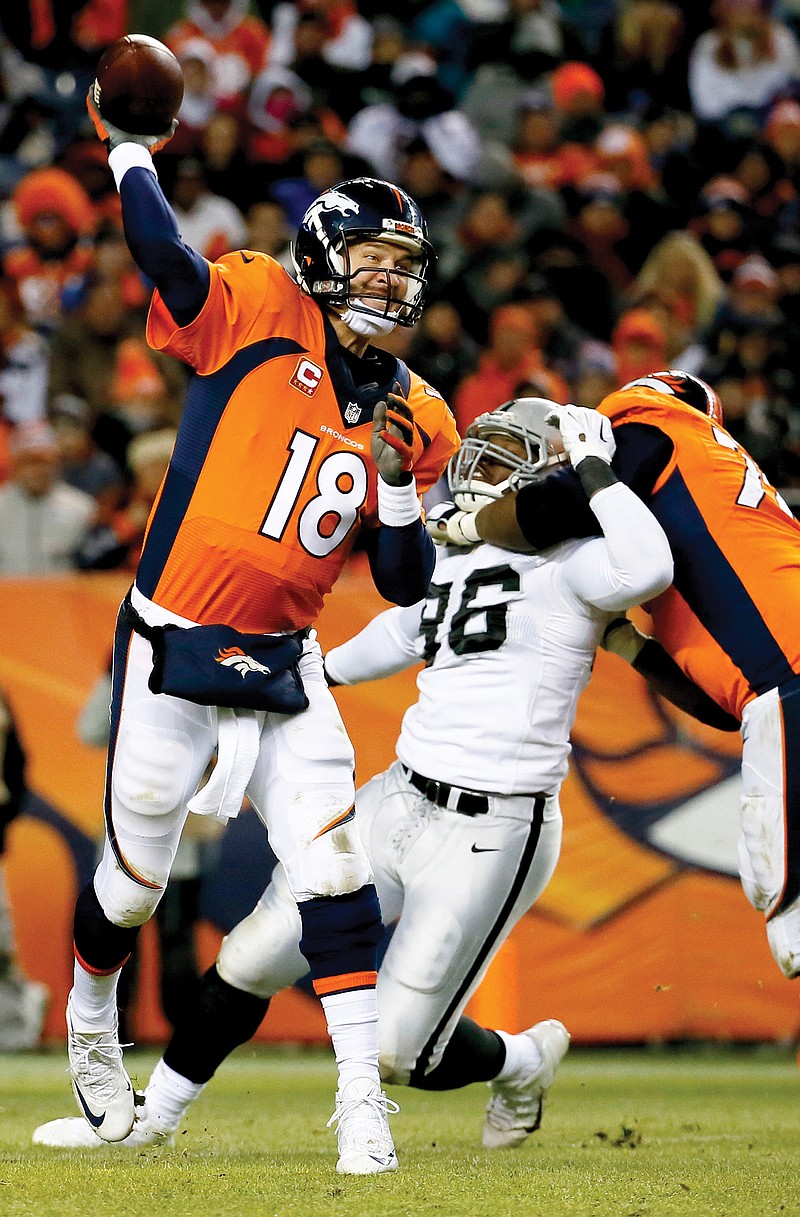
540 157
511 357
239 40
639 344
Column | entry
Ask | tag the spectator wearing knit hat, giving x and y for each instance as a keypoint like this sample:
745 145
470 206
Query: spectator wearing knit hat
42 519
725 224
579 97
57 220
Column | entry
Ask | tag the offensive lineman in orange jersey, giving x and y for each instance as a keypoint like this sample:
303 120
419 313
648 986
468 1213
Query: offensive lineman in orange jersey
297 436
730 621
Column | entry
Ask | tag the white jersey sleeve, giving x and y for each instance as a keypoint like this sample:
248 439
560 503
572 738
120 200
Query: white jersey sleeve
630 564
388 644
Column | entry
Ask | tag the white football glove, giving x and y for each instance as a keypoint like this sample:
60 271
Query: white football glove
447 525
584 433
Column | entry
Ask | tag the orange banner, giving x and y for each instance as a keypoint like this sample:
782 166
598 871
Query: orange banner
643 933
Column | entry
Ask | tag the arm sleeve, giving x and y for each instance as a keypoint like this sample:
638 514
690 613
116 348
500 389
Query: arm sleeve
385 646
555 509
631 564
661 672
401 561
151 230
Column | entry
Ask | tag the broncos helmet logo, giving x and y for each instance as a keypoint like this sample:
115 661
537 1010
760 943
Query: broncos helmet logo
235 657
331 200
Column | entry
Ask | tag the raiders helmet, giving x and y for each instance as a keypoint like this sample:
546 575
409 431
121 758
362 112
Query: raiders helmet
363 208
691 390
524 418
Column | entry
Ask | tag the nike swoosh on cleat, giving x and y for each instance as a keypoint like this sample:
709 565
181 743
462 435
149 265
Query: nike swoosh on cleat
476 849
94 1120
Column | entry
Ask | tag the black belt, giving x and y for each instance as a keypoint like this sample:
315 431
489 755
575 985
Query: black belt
466 802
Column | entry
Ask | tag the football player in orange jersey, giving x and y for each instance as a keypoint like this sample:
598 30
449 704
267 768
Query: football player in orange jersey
730 618
296 437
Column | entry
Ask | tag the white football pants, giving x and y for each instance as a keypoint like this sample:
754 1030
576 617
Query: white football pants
769 841
455 885
160 748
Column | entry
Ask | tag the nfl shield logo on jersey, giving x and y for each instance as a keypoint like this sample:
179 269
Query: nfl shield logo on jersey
352 412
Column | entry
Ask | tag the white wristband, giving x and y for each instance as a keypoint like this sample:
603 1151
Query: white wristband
398 505
129 156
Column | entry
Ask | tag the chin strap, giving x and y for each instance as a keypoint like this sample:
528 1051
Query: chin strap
366 325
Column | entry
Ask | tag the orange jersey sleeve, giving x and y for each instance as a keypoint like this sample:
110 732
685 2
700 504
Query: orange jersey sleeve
730 617
272 475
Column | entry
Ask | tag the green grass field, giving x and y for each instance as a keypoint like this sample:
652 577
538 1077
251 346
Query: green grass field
635 1133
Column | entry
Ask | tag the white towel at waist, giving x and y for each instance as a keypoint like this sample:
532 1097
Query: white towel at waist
238 740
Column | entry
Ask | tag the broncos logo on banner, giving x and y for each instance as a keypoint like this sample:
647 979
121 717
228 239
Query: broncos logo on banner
235 657
645 802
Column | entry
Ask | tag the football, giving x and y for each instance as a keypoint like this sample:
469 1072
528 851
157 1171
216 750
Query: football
138 85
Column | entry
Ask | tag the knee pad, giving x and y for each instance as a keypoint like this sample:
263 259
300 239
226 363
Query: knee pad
150 772
261 955
334 864
122 899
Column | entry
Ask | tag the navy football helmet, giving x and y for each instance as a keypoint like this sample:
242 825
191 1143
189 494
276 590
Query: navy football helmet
361 209
689 389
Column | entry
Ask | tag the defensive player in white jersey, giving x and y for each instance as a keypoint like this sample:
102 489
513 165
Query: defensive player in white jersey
463 831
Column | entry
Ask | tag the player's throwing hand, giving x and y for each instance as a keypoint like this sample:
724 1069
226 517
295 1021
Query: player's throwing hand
113 136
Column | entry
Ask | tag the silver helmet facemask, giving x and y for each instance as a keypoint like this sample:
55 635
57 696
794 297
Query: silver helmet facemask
524 418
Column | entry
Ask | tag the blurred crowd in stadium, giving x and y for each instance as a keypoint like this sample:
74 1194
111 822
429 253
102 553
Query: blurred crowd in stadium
612 187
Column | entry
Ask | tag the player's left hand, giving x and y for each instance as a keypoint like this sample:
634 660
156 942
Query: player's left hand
396 441
584 433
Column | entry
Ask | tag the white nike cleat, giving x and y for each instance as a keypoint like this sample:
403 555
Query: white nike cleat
362 1129
74 1133
101 1086
515 1109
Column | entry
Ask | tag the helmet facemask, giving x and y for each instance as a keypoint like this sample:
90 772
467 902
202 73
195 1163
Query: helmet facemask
524 419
